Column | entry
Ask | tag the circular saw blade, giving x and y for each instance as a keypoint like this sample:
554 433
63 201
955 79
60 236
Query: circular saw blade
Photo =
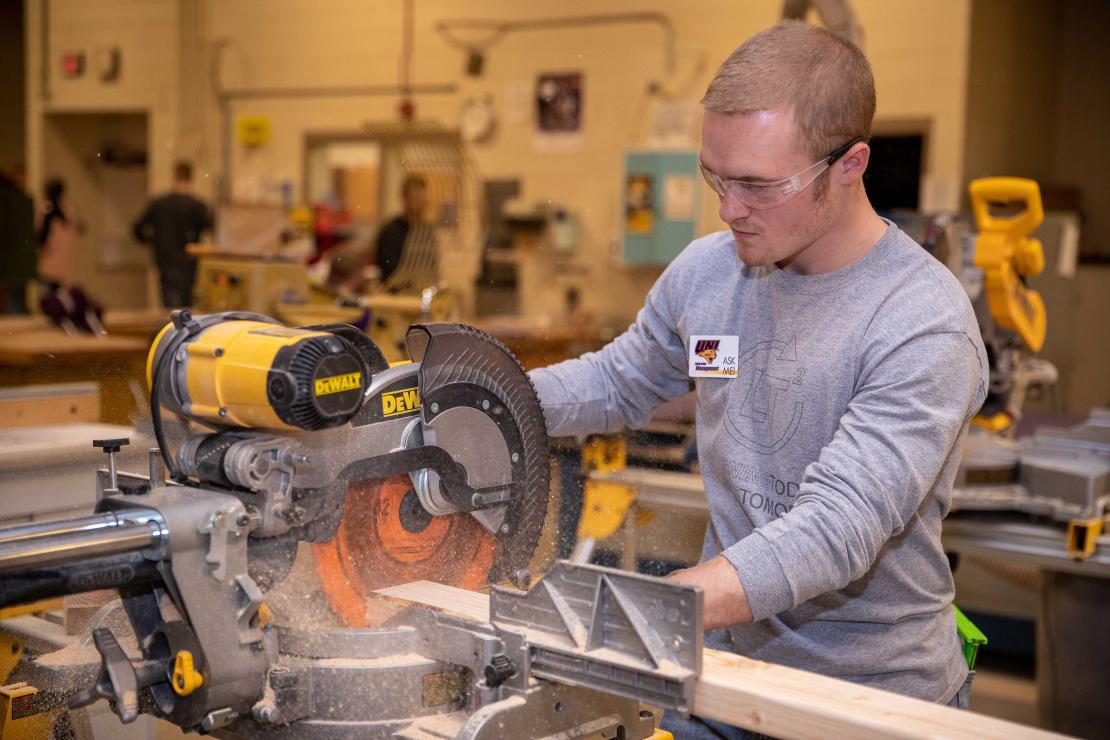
385 538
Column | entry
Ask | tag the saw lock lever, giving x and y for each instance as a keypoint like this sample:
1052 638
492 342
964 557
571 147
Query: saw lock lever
120 680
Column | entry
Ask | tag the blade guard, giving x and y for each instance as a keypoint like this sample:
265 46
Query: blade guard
452 355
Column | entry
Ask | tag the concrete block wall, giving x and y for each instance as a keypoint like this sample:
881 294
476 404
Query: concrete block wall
918 50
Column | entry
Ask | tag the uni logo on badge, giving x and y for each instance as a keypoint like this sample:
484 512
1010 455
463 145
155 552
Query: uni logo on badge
400 402
706 349
338 383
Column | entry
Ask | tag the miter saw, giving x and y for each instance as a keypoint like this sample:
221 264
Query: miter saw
435 469
1063 474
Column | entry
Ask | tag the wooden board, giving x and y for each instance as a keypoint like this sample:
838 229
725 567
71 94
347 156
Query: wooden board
29 447
142 323
57 347
780 701
59 403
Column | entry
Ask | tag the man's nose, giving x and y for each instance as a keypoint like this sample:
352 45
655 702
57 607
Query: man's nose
732 209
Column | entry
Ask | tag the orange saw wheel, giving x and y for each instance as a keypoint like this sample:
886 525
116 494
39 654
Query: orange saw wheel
386 538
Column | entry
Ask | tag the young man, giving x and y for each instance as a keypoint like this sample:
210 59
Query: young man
829 455
169 224
391 239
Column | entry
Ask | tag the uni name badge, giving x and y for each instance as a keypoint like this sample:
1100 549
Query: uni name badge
713 356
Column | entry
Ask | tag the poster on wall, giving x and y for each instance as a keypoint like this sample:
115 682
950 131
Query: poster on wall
678 197
639 215
559 112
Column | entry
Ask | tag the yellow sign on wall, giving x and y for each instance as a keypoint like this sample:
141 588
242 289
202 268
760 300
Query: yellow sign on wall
253 130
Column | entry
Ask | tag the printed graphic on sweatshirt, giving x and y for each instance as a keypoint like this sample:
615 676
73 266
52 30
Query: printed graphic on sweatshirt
766 401
713 356
761 490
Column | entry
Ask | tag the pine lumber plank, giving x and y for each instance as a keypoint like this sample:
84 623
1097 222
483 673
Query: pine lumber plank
780 701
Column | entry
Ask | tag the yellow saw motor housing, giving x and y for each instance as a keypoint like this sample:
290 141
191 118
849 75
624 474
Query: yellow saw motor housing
237 372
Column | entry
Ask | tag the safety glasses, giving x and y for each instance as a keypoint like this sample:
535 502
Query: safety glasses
764 195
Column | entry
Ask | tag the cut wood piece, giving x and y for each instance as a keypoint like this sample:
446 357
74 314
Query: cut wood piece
445 598
780 701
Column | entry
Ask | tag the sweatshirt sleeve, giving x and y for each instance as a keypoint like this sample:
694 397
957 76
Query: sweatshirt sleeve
908 413
618 386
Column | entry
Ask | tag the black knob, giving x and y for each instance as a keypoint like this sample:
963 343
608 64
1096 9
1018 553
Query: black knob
111 445
499 670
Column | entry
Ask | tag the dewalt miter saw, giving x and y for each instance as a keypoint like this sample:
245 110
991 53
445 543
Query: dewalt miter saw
1011 315
435 469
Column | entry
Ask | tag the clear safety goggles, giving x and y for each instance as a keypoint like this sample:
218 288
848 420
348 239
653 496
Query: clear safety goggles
764 195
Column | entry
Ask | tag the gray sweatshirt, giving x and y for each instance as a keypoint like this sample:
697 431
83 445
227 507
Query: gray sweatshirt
828 460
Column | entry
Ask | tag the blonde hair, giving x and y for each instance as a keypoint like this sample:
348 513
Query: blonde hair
824 80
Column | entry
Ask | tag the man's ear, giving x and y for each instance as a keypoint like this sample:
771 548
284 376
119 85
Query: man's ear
853 164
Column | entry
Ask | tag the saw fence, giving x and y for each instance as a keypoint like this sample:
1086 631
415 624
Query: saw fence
780 701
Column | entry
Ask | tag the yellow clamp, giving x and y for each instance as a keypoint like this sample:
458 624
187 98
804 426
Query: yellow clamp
186 679
1083 537
604 507
997 423
604 504
23 714
1005 253
264 616
605 453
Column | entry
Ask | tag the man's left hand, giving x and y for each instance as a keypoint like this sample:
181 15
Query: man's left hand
726 603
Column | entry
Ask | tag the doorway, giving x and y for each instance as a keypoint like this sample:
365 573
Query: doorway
102 159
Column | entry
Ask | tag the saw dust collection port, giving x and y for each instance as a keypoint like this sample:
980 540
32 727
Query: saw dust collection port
386 537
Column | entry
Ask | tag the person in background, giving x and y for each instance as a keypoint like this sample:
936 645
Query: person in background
56 234
169 224
17 242
391 239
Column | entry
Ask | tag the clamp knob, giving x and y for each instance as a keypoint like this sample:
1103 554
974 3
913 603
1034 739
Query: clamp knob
499 670
118 680
111 447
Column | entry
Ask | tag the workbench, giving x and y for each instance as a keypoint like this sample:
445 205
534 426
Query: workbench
31 353
49 471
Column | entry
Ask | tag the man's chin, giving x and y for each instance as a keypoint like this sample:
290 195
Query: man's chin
750 257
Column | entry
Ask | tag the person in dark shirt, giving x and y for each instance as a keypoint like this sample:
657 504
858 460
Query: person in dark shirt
391 239
169 223
17 243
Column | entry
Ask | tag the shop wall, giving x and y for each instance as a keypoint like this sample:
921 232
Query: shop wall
11 85
1012 89
1082 142
1080 156
918 50
1039 107
146 34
